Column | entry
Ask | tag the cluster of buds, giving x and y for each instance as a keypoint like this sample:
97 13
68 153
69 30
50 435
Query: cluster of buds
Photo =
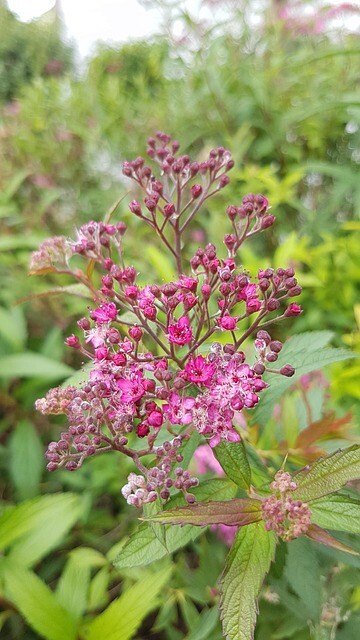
289 518
165 373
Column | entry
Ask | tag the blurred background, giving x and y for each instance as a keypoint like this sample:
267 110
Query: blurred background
82 86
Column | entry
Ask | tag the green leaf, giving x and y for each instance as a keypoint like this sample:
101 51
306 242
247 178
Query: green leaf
328 474
33 365
73 587
144 547
236 512
124 616
52 525
303 575
162 265
26 462
306 352
13 327
320 535
36 527
233 459
24 519
246 567
37 604
337 512
204 626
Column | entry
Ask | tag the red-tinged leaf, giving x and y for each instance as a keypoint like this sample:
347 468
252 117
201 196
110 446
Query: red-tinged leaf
320 535
42 272
321 428
238 512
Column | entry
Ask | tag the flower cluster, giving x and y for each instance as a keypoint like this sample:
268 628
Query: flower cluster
289 518
165 375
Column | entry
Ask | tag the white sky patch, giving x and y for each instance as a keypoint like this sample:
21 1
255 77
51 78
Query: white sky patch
90 21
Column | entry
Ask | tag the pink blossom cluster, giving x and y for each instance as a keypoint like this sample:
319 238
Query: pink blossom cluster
163 376
289 518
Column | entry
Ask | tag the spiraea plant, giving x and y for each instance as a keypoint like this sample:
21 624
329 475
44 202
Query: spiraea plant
167 372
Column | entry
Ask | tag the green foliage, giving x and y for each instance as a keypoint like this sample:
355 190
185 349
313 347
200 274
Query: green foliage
328 474
123 616
287 107
144 546
245 570
28 50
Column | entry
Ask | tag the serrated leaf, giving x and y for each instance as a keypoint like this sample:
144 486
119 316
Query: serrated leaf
233 459
33 365
37 604
143 546
246 567
26 463
340 513
303 575
306 352
320 535
236 512
328 475
123 617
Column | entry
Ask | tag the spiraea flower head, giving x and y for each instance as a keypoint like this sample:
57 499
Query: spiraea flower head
289 518
155 368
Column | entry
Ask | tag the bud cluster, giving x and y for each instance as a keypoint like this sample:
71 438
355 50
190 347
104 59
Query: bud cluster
164 372
289 518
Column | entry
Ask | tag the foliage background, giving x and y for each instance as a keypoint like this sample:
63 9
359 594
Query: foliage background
284 98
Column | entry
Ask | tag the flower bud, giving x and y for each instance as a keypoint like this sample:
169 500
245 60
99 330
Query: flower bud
232 212
294 291
272 304
287 370
258 368
196 190
135 333
267 221
293 310
135 207
73 342
276 346
224 180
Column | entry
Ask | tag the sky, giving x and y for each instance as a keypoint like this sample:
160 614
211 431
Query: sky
90 20
111 21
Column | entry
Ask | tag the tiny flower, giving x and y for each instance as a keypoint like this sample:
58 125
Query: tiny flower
104 313
178 410
199 371
131 390
180 332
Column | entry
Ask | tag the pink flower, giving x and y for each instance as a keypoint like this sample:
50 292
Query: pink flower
188 283
131 390
104 313
178 410
180 332
199 371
